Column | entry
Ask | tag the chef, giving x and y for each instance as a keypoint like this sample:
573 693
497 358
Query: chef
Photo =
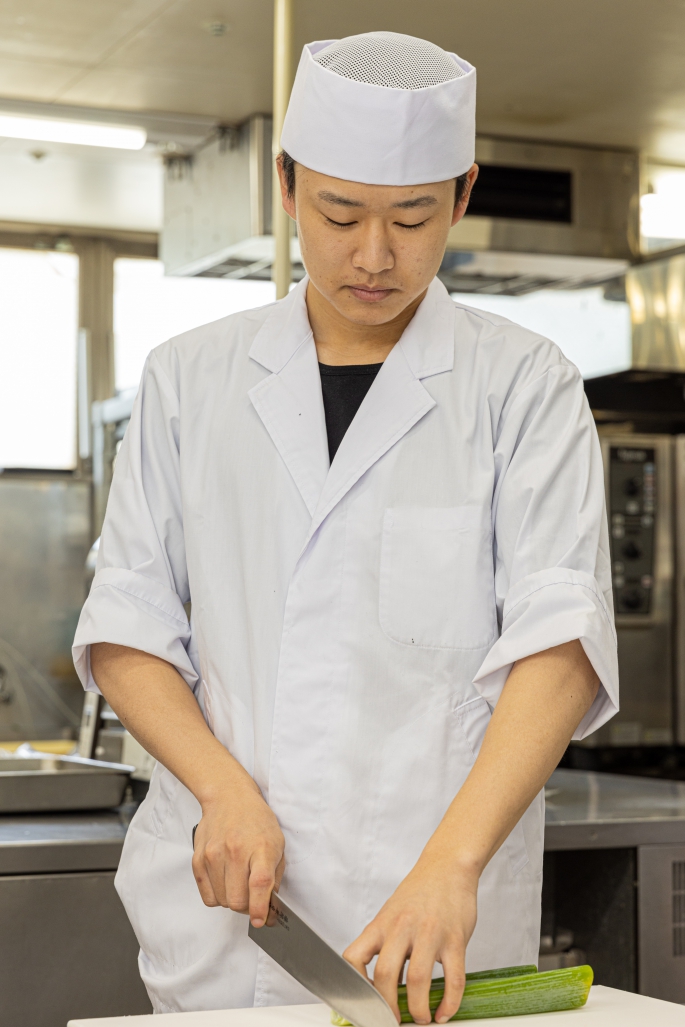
387 510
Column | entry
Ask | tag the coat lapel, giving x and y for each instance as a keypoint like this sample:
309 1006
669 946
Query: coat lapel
396 401
289 401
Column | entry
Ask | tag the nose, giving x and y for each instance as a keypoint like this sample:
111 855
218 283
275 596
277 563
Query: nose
373 253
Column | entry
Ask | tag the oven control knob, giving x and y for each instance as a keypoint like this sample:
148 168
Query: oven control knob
631 598
630 550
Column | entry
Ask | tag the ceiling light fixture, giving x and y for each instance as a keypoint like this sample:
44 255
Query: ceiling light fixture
82 133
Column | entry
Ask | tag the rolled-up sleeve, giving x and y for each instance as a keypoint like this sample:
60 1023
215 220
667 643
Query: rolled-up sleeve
141 583
551 543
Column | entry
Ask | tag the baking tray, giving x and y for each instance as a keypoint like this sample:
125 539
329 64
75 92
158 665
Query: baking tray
40 784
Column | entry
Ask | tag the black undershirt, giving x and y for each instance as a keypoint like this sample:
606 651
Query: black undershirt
343 388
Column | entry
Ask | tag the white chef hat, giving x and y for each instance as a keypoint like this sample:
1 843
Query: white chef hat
382 108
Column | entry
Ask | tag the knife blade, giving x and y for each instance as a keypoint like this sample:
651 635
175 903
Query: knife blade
319 968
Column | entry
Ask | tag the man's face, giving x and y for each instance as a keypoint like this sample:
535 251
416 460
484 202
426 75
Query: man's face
371 250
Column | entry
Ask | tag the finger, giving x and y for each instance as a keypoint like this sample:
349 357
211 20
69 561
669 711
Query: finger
261 883
455 979
271 914
204 885
419 974
236 877
389 966
364 948
280 870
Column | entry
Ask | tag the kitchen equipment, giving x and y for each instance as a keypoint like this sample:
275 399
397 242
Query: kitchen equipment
541 198
307 957
44 538
46 783
645 489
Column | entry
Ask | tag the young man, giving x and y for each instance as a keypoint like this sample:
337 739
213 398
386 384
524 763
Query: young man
388 510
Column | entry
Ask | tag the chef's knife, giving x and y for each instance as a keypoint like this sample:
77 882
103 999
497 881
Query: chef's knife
307 957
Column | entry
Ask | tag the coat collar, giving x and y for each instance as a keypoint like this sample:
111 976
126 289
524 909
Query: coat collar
290 404
284 330
428 341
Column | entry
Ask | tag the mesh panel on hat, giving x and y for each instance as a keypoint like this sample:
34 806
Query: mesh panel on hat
390 59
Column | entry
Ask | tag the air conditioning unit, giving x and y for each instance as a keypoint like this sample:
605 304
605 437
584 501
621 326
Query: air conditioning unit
541 215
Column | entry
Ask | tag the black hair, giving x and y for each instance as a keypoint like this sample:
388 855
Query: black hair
289 171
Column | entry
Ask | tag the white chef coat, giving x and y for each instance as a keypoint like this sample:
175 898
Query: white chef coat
352 625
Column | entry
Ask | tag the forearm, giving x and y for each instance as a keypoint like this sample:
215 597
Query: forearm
155 704
545 698
238 852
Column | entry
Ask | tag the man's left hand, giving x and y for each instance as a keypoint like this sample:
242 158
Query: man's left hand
429 919
432 914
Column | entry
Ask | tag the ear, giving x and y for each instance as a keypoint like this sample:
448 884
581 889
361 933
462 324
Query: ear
287 201
460 208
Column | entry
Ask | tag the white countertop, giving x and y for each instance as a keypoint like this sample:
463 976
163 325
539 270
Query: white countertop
606 1007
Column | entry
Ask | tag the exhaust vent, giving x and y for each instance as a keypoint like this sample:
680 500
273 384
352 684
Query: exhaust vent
526 193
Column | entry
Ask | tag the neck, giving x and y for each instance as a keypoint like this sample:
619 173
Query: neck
339 341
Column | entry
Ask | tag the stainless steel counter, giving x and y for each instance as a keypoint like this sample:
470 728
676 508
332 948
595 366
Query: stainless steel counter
611 811
60 842
584 811
615 876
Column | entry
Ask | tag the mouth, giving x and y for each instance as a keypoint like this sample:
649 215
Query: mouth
368 295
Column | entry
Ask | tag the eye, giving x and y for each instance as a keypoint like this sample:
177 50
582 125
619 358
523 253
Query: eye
411 228
339 224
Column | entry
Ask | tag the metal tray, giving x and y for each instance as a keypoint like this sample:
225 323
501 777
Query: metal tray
43 783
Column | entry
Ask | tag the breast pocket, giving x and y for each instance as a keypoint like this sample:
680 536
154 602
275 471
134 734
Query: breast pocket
436 578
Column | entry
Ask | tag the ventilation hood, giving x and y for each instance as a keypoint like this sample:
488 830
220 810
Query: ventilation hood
540 216
649 393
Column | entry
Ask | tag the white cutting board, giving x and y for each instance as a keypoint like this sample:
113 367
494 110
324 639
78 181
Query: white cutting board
606 1007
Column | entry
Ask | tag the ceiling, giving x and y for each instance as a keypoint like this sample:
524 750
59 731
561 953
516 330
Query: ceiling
605 73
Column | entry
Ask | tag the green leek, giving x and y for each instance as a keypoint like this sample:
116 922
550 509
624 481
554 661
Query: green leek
508 991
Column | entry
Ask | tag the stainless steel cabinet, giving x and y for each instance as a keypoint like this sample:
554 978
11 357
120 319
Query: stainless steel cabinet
67 950
661 921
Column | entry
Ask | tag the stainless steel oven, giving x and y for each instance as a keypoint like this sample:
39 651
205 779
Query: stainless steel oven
645 490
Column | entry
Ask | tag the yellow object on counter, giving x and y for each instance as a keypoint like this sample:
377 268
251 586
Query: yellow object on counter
54 746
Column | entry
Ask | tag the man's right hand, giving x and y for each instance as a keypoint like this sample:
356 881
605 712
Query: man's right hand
238 858
239 852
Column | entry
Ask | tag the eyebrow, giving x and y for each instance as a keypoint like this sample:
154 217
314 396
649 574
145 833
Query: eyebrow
341 201
420 201
345 201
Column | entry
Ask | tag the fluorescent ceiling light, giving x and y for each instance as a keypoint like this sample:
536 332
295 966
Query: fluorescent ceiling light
83 133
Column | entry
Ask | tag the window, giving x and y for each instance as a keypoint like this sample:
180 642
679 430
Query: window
150 308
662 208
592 331
38 334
